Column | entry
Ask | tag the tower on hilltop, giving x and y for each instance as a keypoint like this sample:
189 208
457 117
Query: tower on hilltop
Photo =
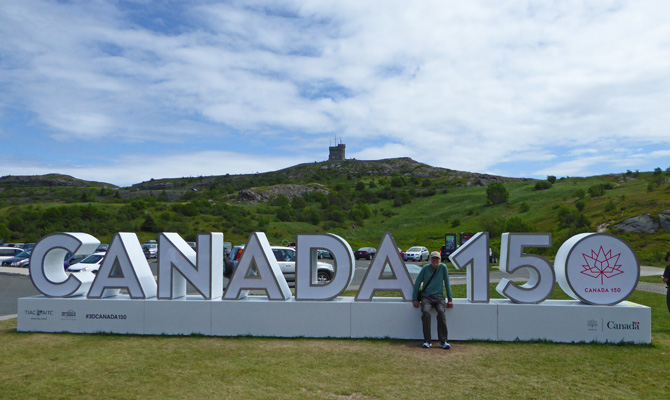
336 153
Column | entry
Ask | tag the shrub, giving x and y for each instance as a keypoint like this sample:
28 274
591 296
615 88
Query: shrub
401 198
580 205
188 209
335 215
493 225
397 181
280 201
298 203
551 179
284 214
149 225
542 185
496 193
517 224
524 207
571 219
596 190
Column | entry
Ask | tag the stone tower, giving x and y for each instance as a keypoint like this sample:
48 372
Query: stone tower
337 152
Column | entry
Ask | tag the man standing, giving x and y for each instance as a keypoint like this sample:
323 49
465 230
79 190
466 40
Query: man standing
666 279
435 278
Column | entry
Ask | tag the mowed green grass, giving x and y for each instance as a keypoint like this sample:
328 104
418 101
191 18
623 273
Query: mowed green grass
58 366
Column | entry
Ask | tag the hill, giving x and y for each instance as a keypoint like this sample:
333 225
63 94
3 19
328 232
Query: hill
49 180
358 200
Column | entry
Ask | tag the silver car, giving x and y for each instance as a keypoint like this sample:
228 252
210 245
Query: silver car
417 253
286 259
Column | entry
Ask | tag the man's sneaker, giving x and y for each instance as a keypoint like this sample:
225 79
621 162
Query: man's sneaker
445 345
427 345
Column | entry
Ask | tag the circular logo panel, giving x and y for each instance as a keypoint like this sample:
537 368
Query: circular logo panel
601 269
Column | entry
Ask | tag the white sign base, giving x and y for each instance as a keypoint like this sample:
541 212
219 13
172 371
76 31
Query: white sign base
342 317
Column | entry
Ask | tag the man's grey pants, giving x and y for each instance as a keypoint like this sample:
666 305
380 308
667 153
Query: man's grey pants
440 305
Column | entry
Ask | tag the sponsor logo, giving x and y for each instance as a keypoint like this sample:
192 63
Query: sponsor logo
601 265
592 324
634 325
106 316
39 314
69 314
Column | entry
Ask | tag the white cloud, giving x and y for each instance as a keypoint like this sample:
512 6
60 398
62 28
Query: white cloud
464 85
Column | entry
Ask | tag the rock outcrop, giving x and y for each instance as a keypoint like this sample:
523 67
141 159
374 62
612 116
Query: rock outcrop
645 223
257 195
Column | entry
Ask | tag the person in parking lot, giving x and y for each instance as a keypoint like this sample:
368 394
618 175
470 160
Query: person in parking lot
435 278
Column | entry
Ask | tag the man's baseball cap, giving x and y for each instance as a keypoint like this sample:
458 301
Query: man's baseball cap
435 254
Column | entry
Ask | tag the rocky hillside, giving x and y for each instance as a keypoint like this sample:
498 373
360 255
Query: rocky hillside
315 172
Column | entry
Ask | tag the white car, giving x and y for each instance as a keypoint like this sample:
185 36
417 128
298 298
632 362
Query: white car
150 250
9 252
417 253
91 263
286 259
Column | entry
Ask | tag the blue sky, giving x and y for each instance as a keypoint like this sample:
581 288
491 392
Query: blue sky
126 91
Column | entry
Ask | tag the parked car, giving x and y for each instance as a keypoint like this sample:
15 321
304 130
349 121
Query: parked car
417 253
9 252
365 252
150 250
401 252
233 258
91 263
21 260
71 259
102 247
285 257
324 254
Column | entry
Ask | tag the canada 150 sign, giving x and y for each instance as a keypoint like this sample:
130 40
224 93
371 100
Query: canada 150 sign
595 268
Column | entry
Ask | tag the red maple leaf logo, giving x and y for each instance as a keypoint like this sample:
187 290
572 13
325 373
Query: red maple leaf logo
601 265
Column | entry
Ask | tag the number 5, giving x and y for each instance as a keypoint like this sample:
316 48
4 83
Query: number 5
512 258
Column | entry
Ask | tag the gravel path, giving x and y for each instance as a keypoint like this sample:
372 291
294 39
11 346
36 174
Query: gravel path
651 287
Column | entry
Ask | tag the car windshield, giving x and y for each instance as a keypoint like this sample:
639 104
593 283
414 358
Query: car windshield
284 254
415 249
92 259
25 253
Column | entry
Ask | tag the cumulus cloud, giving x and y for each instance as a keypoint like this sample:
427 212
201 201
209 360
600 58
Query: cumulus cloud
464 85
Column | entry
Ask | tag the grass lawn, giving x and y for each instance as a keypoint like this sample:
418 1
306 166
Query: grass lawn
57 366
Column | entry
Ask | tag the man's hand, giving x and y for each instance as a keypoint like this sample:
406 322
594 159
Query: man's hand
450 304
416 304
